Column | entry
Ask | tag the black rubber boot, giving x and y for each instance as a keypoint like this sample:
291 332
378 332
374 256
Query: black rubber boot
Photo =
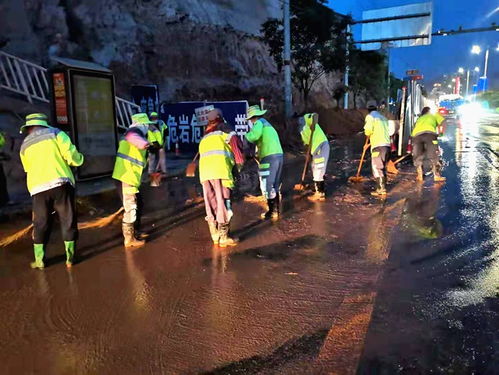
380 187
271 203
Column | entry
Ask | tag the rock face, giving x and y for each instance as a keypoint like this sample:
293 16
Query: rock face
194 49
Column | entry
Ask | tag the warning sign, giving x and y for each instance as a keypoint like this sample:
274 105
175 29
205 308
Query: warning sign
61 105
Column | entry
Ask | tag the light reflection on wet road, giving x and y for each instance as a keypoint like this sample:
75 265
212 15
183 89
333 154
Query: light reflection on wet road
438 307
295 297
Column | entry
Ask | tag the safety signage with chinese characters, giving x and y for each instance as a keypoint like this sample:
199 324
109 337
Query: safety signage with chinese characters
61 104
184 128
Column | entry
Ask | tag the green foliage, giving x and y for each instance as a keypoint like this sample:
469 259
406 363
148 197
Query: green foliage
367 74
318 42
492 97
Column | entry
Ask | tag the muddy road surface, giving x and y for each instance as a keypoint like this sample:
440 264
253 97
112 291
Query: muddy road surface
353 285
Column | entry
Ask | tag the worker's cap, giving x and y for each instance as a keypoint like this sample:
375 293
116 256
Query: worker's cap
372 104
153 115
309 118
254 111
141 119
214 114
35 119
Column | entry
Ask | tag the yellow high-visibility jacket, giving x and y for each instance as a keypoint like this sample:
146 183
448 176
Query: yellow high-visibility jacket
216 159
428 123
377 129
319 136
129 164
47 155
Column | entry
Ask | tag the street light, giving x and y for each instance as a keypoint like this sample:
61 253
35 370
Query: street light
476 50
477 69
461 71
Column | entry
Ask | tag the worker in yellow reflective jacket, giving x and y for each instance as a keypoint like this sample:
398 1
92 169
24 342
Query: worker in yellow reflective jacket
157 162
219 152
47 155
377 130
425 143
129 165
319 148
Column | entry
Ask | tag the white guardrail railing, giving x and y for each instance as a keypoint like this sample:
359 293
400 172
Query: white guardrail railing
30 80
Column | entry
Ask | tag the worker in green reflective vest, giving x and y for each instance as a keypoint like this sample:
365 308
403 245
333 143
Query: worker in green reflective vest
129 165
47 155
271 158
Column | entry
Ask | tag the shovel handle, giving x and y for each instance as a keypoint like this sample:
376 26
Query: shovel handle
309 149
364 149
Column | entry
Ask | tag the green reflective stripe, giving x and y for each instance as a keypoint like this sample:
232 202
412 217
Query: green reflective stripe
319 160
50 185
375 154
435 142
38 136
265 166
216 152
130 159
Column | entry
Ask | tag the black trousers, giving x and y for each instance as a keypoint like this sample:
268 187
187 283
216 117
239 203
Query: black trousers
4 195
425 146
61 200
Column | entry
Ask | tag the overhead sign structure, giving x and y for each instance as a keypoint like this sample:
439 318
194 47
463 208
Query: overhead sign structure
402 26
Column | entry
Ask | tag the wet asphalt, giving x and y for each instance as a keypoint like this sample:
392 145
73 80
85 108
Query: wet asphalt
356 284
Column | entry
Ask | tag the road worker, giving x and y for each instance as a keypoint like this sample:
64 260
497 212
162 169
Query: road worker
47 155
128 168
376 128
319 149
270 156
218 154
425 143
157 161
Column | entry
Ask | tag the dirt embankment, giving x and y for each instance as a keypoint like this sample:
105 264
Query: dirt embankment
341 122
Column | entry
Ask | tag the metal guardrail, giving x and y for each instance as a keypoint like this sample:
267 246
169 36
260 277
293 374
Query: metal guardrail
30 80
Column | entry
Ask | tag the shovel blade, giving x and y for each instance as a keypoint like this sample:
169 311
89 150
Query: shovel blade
190 171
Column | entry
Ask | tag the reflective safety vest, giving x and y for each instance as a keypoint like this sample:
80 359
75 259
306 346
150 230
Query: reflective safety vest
47 155
265 137
129 164
319 136
2 141
163 128
377 129
155 135
215 158
427 124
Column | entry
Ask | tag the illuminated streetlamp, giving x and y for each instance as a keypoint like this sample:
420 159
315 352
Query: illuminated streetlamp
476 50
461 71
477 69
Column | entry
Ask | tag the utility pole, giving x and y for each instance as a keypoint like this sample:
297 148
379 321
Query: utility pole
468 83
347 70
288 98
486 63
388 80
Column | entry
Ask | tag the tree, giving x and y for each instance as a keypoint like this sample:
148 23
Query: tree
367 74
318 42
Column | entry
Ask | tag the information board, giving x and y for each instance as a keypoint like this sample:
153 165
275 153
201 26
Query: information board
94 123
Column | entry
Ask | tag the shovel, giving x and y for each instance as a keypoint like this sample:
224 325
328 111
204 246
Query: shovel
391 167
190 171
358 177
301 185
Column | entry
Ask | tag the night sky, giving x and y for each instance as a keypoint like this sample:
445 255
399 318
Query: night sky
446 54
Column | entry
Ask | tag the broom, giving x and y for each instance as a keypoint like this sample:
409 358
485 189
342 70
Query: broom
190 171
358 177
301 185
99 223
